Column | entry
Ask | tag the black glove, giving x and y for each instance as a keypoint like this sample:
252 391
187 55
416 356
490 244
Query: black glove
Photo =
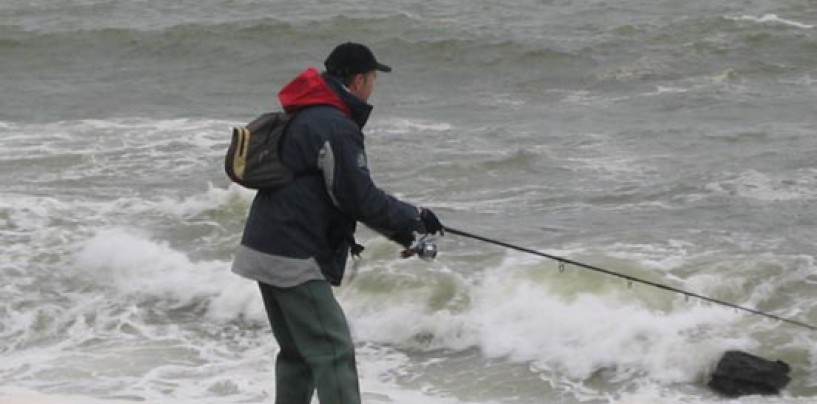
404 239
430 222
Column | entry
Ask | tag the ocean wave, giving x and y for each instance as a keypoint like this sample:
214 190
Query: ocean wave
17 395
759 186
517 312
243 38
112 153
772 18
522 310
134 264
401 126
240 27
512 308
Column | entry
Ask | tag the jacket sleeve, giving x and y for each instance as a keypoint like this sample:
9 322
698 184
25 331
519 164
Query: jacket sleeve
342 159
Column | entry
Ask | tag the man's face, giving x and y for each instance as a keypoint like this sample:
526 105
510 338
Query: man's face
363 85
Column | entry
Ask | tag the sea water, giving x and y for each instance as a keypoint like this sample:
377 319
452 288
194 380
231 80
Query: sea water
670 141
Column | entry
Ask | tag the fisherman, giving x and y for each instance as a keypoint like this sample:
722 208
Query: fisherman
296 239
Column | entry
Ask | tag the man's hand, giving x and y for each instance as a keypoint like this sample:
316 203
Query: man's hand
430 222
404 239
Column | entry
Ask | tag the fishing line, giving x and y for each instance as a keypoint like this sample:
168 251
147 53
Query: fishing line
629 278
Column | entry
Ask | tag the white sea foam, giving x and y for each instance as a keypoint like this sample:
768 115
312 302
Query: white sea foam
100 136
516 314
136 265
377 366
508 315
513 317
661 90
753 184
372 391
586 97
661 256
772 18
118 156
16 395
615 167
214 197
402 126
653 394
590 333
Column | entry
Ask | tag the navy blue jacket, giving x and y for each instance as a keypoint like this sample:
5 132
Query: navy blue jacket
315 216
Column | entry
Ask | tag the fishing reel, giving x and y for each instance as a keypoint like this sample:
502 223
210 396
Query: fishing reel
424 247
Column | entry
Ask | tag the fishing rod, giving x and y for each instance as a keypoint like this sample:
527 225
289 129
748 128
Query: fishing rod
629 278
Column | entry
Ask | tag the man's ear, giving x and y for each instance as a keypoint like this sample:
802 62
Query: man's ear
357 81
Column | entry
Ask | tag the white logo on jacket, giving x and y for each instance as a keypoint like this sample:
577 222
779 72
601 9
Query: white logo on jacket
361 160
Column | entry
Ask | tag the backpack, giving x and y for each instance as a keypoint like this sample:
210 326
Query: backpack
254 157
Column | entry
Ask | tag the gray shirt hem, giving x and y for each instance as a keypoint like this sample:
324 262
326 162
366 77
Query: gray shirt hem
275 270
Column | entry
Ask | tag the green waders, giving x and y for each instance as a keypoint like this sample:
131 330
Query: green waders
316 346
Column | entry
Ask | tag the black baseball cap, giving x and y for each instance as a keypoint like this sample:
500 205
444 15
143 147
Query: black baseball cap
352 58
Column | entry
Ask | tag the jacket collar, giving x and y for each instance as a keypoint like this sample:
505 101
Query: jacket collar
312 88
359 110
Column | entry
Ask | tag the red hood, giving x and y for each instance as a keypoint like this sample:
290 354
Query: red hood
308 89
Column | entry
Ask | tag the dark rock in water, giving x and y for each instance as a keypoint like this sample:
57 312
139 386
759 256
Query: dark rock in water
739 373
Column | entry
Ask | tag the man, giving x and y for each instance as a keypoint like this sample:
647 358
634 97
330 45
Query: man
296 239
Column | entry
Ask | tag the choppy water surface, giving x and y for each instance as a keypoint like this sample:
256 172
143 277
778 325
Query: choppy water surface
672 142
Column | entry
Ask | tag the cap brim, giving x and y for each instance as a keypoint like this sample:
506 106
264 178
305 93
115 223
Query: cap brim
381 67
